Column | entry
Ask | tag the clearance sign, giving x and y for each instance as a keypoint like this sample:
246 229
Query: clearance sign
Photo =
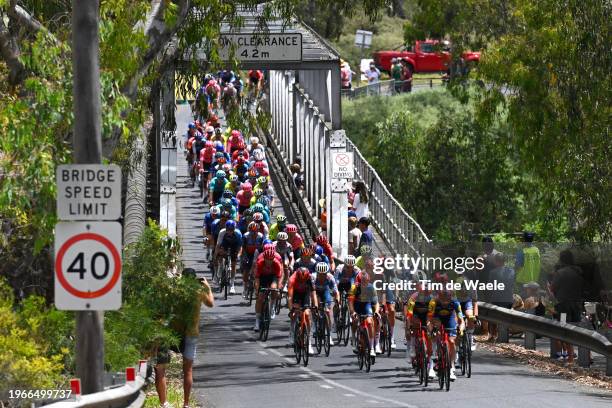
261 47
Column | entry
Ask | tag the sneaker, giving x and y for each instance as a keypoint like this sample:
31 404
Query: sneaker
310 350
273 313
256 328
452 377
473 346
285 288
232 290
372 353
432 373
331 341
166 405
393 346
377 349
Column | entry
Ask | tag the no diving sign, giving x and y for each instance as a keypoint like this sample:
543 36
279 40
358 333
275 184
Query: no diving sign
88 265
342 165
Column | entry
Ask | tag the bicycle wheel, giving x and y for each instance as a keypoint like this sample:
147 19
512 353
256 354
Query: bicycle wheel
264 315
424 371
441 368
447 368
463 354
368 349
388 339
327 334
305 344
339 324
297 340
319 333
360 348
468 359
347 327
277 304
267 313
383 335
226 275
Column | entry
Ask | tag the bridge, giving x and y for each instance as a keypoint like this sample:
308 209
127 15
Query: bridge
233 368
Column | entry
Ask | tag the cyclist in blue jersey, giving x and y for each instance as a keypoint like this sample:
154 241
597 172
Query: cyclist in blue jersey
327 292
229 242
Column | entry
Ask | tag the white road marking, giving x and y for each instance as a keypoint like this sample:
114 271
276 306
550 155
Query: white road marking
304 376
349 395
262 352
328 387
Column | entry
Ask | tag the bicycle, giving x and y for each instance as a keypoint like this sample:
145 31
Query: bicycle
266 315
385 332
363 344
301 337
223 274
249 285
443 365
465 353
342 319
322 332
419 362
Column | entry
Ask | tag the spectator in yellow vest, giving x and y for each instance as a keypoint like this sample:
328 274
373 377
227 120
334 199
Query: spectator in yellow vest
527 264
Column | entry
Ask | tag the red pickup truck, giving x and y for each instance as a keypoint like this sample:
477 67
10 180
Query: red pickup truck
424 56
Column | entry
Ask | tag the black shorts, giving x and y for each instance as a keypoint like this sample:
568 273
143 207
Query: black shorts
265 281
254 80
572 309
216 196
344 286
301 298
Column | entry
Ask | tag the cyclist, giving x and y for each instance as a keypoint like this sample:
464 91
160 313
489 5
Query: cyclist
416 310
268 274
345 275
229 98
229 242
234 141
364 301
262 227
319 253
217 186
261 168
240 150
241 169
284 250
260 208
306 260
244 197
445 311
296 241
366 253
327 248
245 220
213 90
251 243
254 146
227 204
278 226
300 294
468 298
209 218
255 82
217 225
207 155
233 185
327 292
389 303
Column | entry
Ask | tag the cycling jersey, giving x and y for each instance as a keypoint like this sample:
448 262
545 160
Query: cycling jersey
325 288
236 153
322 258
275 229
233 187
217 226
265 268
344 278
284 251
300 290
311 264
207 155
217 184
296 242
418 306
208 221
252 242
363 298
446 313
244 198
227 241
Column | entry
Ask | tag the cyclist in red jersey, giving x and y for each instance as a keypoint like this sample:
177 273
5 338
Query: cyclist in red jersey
268 274
301 293
327 248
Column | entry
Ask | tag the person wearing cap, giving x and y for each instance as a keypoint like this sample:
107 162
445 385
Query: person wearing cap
189 329
372 74
527 263
346 74
367 237
396 74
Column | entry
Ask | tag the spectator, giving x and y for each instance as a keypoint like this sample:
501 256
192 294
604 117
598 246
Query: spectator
323 216
372 74
396 74
189 332
354 236
406 76
533 302
346 74
527 264
360 200
366 238
567 287
296 174
502 298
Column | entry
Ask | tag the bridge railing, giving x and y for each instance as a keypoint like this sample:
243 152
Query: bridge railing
586 339
400 231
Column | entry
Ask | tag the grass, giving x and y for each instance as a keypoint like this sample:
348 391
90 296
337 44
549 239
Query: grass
174 378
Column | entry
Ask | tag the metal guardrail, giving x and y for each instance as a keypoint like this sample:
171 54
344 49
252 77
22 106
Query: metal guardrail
586 339
128 395
389 87
401 232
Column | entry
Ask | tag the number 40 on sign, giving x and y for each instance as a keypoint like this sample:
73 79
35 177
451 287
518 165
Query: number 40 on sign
88 265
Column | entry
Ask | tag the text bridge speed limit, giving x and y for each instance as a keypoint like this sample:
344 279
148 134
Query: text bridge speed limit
88 266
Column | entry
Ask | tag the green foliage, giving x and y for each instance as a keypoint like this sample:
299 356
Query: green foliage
547 67
34 343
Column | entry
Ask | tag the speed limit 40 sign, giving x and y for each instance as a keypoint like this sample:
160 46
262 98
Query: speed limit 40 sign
88 265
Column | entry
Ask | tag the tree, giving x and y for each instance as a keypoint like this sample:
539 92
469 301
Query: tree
546 65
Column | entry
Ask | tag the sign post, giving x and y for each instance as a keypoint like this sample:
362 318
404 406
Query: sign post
363 39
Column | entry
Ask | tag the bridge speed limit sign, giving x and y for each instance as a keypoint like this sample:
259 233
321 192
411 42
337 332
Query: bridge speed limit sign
88 265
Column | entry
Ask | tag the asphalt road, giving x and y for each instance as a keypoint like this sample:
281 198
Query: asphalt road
233 369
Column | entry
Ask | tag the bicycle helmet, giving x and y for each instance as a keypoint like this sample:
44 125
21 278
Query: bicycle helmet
258 193
233 178
258 217
262 179
236 133
281 219
247 213
208 144
227 203
253 227
366 250
230 224
217 131
220 147
220 174
252 173
241 145
269 254
215 210
303 273
318 250
219 155
282 236
349 260
225 214
228 194
259 165
321 239
269 246
267 241
246 186
259 208
210 129
322 267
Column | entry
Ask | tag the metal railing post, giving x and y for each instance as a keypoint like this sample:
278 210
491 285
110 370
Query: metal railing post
530 340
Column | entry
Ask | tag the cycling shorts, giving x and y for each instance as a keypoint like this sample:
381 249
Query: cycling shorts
265 281
325 296
363 308
450 325
216 196
254 80
232 248
344 287
389 296
467 305
301 298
